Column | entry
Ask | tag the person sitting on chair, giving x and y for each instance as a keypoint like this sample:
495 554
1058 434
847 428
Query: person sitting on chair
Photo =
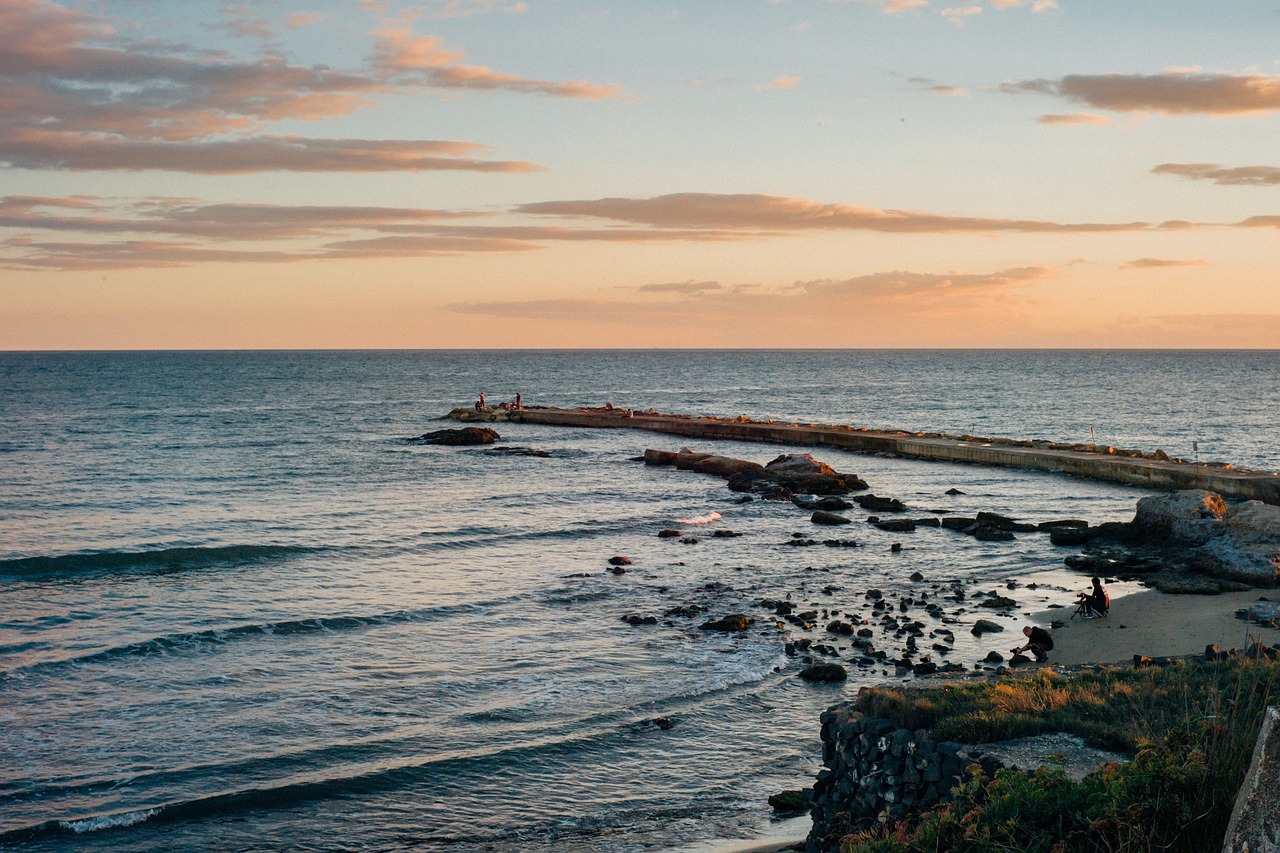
1039 643
1097 602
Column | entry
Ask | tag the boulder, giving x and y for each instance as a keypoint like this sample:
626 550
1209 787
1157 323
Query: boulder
874 503
619 561
983 626
899 525
669 534
828 518
464 437
633 619
1068 536
1003 522
827 503
732 622
824 672
987 533
1192 516
958 522
787 801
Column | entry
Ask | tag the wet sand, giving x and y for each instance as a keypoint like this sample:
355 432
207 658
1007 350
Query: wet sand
1152 623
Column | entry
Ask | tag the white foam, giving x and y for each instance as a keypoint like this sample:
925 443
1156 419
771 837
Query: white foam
111 821
700 519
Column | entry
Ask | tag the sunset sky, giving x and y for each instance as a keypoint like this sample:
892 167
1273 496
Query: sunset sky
537 173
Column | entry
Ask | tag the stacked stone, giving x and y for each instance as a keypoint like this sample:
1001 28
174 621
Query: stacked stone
873 767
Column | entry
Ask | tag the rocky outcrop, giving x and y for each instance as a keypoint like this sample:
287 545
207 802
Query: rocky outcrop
783 478
1240 541
464 437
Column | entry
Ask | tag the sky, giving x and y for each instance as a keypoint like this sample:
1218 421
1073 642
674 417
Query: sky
591 173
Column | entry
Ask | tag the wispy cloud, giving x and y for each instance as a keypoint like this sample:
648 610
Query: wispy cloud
1074 118
403 56
1170 92
1151 263
781 214
685 287
1237 176
782 82
954 297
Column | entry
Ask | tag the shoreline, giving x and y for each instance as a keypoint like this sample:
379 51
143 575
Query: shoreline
1148 622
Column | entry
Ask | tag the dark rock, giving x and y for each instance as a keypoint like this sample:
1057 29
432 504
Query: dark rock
1069 523
669 534
983 626
1018 657
1002 522
928 522
994 657
464 437
958 522
732 622
824 672
633 619
925 668
828 503
839 627
999 602
519 451
1068 536
686 610
828 518
954 491
689 540
664 723
916 577
872 503
840 543
787 801
619 561
987 533
898 525
725 534
895 548
618 570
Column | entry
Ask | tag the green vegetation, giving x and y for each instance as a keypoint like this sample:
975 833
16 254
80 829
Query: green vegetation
1191 729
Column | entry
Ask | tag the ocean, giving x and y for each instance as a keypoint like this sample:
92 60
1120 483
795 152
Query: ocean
239 610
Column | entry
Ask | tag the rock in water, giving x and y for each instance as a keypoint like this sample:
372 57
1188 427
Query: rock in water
460 437
824 672
732 622
787 801
828 518
982 626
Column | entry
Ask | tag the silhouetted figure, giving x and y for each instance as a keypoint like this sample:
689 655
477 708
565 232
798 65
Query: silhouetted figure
1097 602
1039 643
480 403
517 399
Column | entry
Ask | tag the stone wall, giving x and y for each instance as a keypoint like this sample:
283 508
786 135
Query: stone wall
873 767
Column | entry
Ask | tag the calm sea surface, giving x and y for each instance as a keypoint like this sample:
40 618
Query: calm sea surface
238 611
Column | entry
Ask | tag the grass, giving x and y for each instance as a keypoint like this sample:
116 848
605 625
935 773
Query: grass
1191 729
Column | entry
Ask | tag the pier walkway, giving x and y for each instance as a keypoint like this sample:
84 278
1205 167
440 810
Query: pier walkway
1095 463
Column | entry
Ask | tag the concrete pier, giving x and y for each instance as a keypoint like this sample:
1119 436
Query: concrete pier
1095 463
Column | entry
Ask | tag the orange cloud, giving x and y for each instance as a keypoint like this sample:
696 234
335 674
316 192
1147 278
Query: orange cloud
40 149
778 213
406 57
1239 176
1171 92
1074 118
783 82
1149 263
899 295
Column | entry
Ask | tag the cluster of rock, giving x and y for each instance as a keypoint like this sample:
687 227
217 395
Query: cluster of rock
873 767
788 475
1188 541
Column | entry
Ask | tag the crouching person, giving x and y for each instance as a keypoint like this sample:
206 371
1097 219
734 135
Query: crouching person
1039 643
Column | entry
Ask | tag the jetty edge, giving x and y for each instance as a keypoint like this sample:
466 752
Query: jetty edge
1092 462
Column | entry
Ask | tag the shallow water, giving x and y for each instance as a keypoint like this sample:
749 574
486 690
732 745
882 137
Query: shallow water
240 611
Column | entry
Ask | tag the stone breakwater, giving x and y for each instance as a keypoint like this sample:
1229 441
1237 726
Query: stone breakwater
874 768
1156 470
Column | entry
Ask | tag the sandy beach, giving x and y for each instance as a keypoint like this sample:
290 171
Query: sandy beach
1152 623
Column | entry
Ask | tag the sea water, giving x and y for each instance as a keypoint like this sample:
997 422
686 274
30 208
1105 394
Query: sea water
240 611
